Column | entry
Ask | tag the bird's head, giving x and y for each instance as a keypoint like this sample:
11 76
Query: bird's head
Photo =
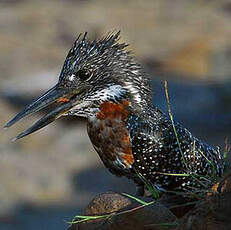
93 72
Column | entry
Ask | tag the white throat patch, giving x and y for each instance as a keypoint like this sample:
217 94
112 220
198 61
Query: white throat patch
112 92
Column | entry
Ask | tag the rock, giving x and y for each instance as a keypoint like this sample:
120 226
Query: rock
212 213
127 214
107 203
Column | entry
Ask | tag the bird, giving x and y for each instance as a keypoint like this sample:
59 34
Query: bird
101 81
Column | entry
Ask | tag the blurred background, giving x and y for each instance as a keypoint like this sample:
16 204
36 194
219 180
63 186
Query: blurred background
48 177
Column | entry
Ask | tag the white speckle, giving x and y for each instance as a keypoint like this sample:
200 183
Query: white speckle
136 72
73 64
133 91
72 77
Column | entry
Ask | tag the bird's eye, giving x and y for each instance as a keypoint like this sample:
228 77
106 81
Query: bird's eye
83 75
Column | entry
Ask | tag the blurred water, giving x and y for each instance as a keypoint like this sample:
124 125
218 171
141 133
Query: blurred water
30 217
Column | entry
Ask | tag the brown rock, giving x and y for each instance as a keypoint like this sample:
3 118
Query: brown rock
107 203
212 213
127 214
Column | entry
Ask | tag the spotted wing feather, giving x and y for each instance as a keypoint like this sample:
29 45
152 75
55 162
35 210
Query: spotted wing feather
162 158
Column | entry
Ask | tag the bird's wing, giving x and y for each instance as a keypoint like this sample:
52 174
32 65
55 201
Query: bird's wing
164 152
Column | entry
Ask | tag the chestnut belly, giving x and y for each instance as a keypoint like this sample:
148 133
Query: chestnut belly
111 140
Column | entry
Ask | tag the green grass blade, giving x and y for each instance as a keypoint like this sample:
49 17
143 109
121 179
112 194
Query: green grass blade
138 200
172 120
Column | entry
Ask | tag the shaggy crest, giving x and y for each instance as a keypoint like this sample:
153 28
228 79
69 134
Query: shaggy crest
85 53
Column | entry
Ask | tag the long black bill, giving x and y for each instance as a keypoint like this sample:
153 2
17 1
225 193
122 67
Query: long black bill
47 119
43 101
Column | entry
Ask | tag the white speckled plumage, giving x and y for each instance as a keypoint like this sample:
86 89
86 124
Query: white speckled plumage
130 134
